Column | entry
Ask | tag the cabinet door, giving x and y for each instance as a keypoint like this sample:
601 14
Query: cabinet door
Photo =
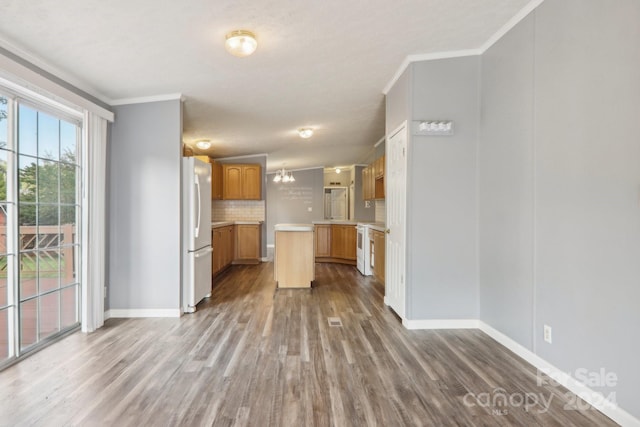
251 182
232 182
366 192
323 240
218 250
216 180
350 242
337 237
379 256
248 241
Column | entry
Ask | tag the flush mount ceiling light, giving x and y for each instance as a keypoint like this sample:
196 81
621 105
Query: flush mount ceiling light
338 170
240 43
203 144
305 132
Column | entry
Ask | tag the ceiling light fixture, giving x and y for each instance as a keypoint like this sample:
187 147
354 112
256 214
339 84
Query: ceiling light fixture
283 176
305 132
338 170
203 144
241 43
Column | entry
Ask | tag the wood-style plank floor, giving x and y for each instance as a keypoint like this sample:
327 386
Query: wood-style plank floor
255 356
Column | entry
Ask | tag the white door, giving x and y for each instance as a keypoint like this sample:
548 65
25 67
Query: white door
339 204
396 207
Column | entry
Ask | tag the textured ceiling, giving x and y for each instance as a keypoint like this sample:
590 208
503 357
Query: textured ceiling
319 63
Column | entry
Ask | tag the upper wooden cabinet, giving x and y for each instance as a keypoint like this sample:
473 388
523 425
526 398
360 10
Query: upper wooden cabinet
373 180
216 180
241 182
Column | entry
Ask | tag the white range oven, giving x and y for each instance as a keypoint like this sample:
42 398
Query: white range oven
363 250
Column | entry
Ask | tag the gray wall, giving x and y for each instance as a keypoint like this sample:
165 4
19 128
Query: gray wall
144 181
559 188
289 202
262 160
506 185
441 252
361 211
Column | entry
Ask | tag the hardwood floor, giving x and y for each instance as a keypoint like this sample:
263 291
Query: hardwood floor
252 355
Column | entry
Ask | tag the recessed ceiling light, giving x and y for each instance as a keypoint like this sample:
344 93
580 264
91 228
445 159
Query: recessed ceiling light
241 43
305 132
203 144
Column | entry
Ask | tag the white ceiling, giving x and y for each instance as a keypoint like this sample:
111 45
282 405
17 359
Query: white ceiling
319 63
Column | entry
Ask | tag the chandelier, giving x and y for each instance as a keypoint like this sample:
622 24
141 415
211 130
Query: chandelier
283 176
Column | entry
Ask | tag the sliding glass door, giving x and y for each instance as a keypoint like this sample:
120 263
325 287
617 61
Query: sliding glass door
39 211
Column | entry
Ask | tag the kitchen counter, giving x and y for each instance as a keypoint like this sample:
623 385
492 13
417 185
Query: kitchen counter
330 222
294 227
216 224
379 226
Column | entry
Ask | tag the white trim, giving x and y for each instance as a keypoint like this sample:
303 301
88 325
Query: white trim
270 245
144 312
57 72
427 57
510 24
440 324
107 315
468 52
595 399
35 82
381 140
145 99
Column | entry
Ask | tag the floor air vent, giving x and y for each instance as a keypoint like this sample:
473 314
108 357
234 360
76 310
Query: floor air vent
335 322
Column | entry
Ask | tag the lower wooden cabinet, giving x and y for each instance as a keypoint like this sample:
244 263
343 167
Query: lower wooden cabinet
336 243
378 255
248 243
222 239
323 240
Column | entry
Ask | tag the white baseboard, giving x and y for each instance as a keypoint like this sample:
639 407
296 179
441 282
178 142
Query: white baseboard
142 312
441 324
595 399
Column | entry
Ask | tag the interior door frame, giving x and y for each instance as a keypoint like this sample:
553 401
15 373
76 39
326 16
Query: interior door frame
398 306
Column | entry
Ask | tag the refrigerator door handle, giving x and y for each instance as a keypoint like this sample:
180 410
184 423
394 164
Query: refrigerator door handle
197 229
203 252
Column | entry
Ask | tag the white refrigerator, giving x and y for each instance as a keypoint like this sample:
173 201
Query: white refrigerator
196 232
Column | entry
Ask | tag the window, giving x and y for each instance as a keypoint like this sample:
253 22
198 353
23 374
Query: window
39 211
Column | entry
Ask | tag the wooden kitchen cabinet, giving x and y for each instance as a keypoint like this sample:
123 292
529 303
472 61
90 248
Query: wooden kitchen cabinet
378 255
373 180
216 180
343 241
241 182
222 239
248 243
323 240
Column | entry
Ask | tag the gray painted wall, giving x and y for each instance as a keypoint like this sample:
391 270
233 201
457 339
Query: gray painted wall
559 188
144 206
262 160
361 211
289 203
506 185
442 280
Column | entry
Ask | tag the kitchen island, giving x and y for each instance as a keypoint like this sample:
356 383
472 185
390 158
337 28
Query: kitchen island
294 255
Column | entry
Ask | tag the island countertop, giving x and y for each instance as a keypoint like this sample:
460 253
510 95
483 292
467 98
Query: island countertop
293 227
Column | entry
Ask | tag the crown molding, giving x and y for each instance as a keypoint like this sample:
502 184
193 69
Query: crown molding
532 5
145 99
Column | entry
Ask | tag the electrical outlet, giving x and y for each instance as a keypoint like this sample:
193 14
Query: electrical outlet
547 333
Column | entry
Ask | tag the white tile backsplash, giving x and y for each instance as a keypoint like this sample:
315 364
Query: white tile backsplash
237 210
381 211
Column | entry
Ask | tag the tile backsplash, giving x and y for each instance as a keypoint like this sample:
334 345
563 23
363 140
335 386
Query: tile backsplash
381 213
237 210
